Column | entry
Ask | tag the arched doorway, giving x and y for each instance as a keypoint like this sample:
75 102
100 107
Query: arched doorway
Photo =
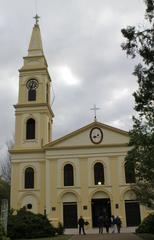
70 217
132 209
100 205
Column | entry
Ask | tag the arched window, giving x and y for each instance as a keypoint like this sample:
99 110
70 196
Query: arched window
29 177
30 129
31 94
98 174
68 175
129 173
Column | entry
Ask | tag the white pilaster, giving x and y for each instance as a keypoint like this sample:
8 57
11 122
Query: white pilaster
48 189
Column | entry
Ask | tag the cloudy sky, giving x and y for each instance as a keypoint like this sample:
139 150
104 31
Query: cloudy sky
81 41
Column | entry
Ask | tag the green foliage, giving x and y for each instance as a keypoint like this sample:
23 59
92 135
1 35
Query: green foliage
6 162
26 224
60 229
145 193
147 225
140 43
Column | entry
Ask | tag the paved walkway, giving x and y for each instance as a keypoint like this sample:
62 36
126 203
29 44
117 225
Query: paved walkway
92 234
75 231
111 236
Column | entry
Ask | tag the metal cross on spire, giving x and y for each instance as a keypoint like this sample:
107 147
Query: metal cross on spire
36 19
95 109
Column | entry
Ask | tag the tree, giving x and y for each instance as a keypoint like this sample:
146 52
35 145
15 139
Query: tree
6 163
140 45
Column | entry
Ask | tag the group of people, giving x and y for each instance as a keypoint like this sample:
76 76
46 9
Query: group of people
103 222
113 222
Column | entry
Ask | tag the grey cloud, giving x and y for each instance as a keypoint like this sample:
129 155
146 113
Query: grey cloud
84 35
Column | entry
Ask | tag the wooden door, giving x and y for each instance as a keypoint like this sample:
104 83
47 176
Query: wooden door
70 218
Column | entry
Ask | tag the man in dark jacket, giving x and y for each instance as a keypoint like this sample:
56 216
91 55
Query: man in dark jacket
118 223
81 225
107 223
100 224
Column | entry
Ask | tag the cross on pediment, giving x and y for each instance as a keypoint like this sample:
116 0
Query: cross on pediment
95 111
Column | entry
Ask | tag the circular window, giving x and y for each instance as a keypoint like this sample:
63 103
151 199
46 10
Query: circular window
29 206
96 135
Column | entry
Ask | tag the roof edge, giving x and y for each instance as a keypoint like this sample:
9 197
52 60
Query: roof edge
72 134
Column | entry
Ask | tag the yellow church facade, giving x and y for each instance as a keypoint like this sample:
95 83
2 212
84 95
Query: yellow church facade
83 173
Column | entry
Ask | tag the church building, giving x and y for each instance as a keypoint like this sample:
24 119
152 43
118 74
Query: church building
82 173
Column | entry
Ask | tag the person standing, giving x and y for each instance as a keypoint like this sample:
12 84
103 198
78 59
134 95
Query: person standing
113 224
100 224
107 223
118 223
81 225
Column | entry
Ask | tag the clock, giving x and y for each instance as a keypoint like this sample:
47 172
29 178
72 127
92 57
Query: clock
96 135
32 84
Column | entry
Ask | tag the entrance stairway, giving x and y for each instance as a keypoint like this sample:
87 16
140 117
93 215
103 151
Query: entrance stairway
72 231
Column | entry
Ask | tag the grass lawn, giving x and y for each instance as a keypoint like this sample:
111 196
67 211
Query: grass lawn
146 236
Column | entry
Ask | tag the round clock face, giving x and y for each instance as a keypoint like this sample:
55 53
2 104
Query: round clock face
32 84
96 135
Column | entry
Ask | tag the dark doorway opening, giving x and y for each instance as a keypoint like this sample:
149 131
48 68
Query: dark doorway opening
132 209
70 218
100 207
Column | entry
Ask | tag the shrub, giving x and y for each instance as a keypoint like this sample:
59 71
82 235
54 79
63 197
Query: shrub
26 224
147 225
60 229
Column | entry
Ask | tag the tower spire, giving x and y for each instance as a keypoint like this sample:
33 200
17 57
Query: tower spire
35 45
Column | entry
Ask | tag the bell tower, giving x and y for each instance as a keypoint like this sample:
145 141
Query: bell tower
33 111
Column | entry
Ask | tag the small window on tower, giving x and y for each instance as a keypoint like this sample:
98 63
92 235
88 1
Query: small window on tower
32 95
30 129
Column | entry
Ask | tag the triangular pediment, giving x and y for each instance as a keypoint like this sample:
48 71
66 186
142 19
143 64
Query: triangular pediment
94 134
